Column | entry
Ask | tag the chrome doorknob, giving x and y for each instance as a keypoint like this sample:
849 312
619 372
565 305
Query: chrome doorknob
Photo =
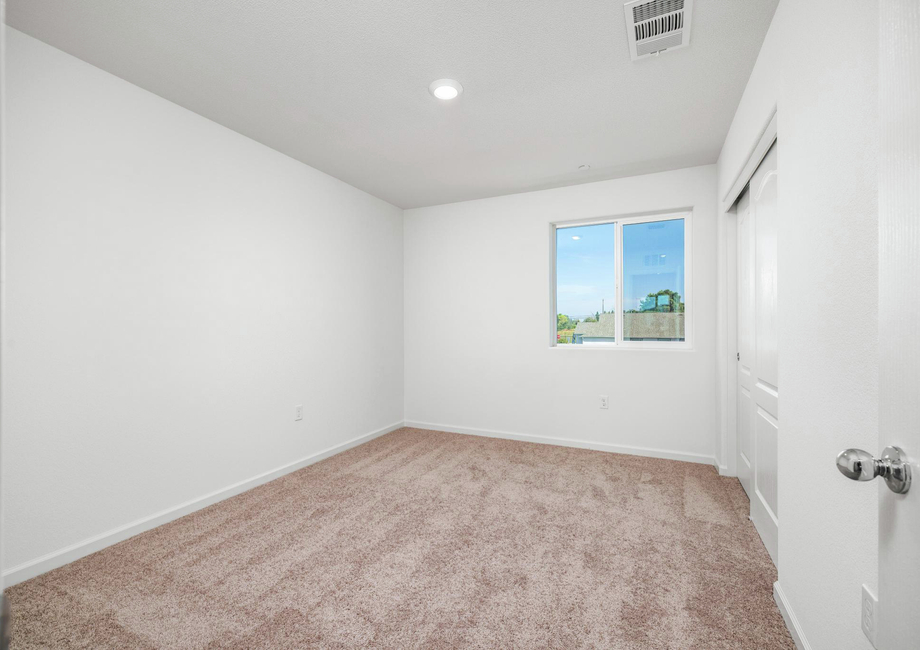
859 465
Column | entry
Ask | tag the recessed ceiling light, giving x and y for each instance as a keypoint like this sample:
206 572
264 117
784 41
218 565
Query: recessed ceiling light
576 237
584 168
445 88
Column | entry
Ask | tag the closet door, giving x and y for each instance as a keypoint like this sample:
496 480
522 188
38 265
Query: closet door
758 382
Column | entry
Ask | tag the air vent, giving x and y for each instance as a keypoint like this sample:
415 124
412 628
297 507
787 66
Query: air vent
656 26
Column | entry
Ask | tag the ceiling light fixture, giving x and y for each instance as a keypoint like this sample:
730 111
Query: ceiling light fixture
445 88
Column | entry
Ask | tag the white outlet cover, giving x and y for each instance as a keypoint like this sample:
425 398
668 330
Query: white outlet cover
298 412
604 402
869 616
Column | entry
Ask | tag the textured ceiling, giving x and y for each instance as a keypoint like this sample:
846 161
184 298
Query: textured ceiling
343 85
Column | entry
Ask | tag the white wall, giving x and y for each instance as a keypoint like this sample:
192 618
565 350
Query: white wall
173 289
477 313
818 67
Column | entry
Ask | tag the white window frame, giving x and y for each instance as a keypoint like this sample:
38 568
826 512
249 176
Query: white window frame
619 222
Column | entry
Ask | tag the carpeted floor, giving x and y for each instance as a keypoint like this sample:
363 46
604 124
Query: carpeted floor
420 539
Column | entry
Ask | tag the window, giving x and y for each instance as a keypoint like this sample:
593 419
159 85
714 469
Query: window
622 282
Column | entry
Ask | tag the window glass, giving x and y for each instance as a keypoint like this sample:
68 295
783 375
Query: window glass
586 284
653 281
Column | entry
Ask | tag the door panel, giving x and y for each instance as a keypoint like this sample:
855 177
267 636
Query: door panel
767 397
766 461
766 394
763 188
764 510
745 343
758 375
745 436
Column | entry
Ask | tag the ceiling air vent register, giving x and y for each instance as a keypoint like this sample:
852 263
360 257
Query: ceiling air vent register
654 26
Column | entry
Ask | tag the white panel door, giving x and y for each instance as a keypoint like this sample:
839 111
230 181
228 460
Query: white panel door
899 316
758 382
745 446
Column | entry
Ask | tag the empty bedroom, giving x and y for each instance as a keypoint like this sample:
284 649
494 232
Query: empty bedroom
460 324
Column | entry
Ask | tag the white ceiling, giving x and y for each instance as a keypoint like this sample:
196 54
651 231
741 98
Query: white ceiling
343 85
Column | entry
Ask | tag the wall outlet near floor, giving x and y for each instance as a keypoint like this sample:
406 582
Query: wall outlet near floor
869 614
298 412
604 402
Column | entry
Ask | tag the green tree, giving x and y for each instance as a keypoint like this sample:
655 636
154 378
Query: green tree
563 322
653 302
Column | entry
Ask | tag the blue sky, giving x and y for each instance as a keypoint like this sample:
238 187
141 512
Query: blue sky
585 264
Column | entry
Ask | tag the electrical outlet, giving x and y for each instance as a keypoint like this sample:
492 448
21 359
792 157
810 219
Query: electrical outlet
604 402
869 614
298 412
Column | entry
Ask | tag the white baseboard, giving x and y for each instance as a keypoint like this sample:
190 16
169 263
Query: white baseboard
566 442
74 552
792 624
723 470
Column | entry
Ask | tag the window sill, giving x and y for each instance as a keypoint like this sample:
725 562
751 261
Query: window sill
654 347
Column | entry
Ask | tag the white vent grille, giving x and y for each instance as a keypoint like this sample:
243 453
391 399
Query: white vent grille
654 26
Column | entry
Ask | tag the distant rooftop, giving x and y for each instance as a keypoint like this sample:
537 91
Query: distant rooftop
606 327
649 325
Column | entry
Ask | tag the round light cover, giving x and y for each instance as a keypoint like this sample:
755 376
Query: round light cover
445 88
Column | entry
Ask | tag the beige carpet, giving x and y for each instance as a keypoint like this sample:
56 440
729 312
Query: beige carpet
422 539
